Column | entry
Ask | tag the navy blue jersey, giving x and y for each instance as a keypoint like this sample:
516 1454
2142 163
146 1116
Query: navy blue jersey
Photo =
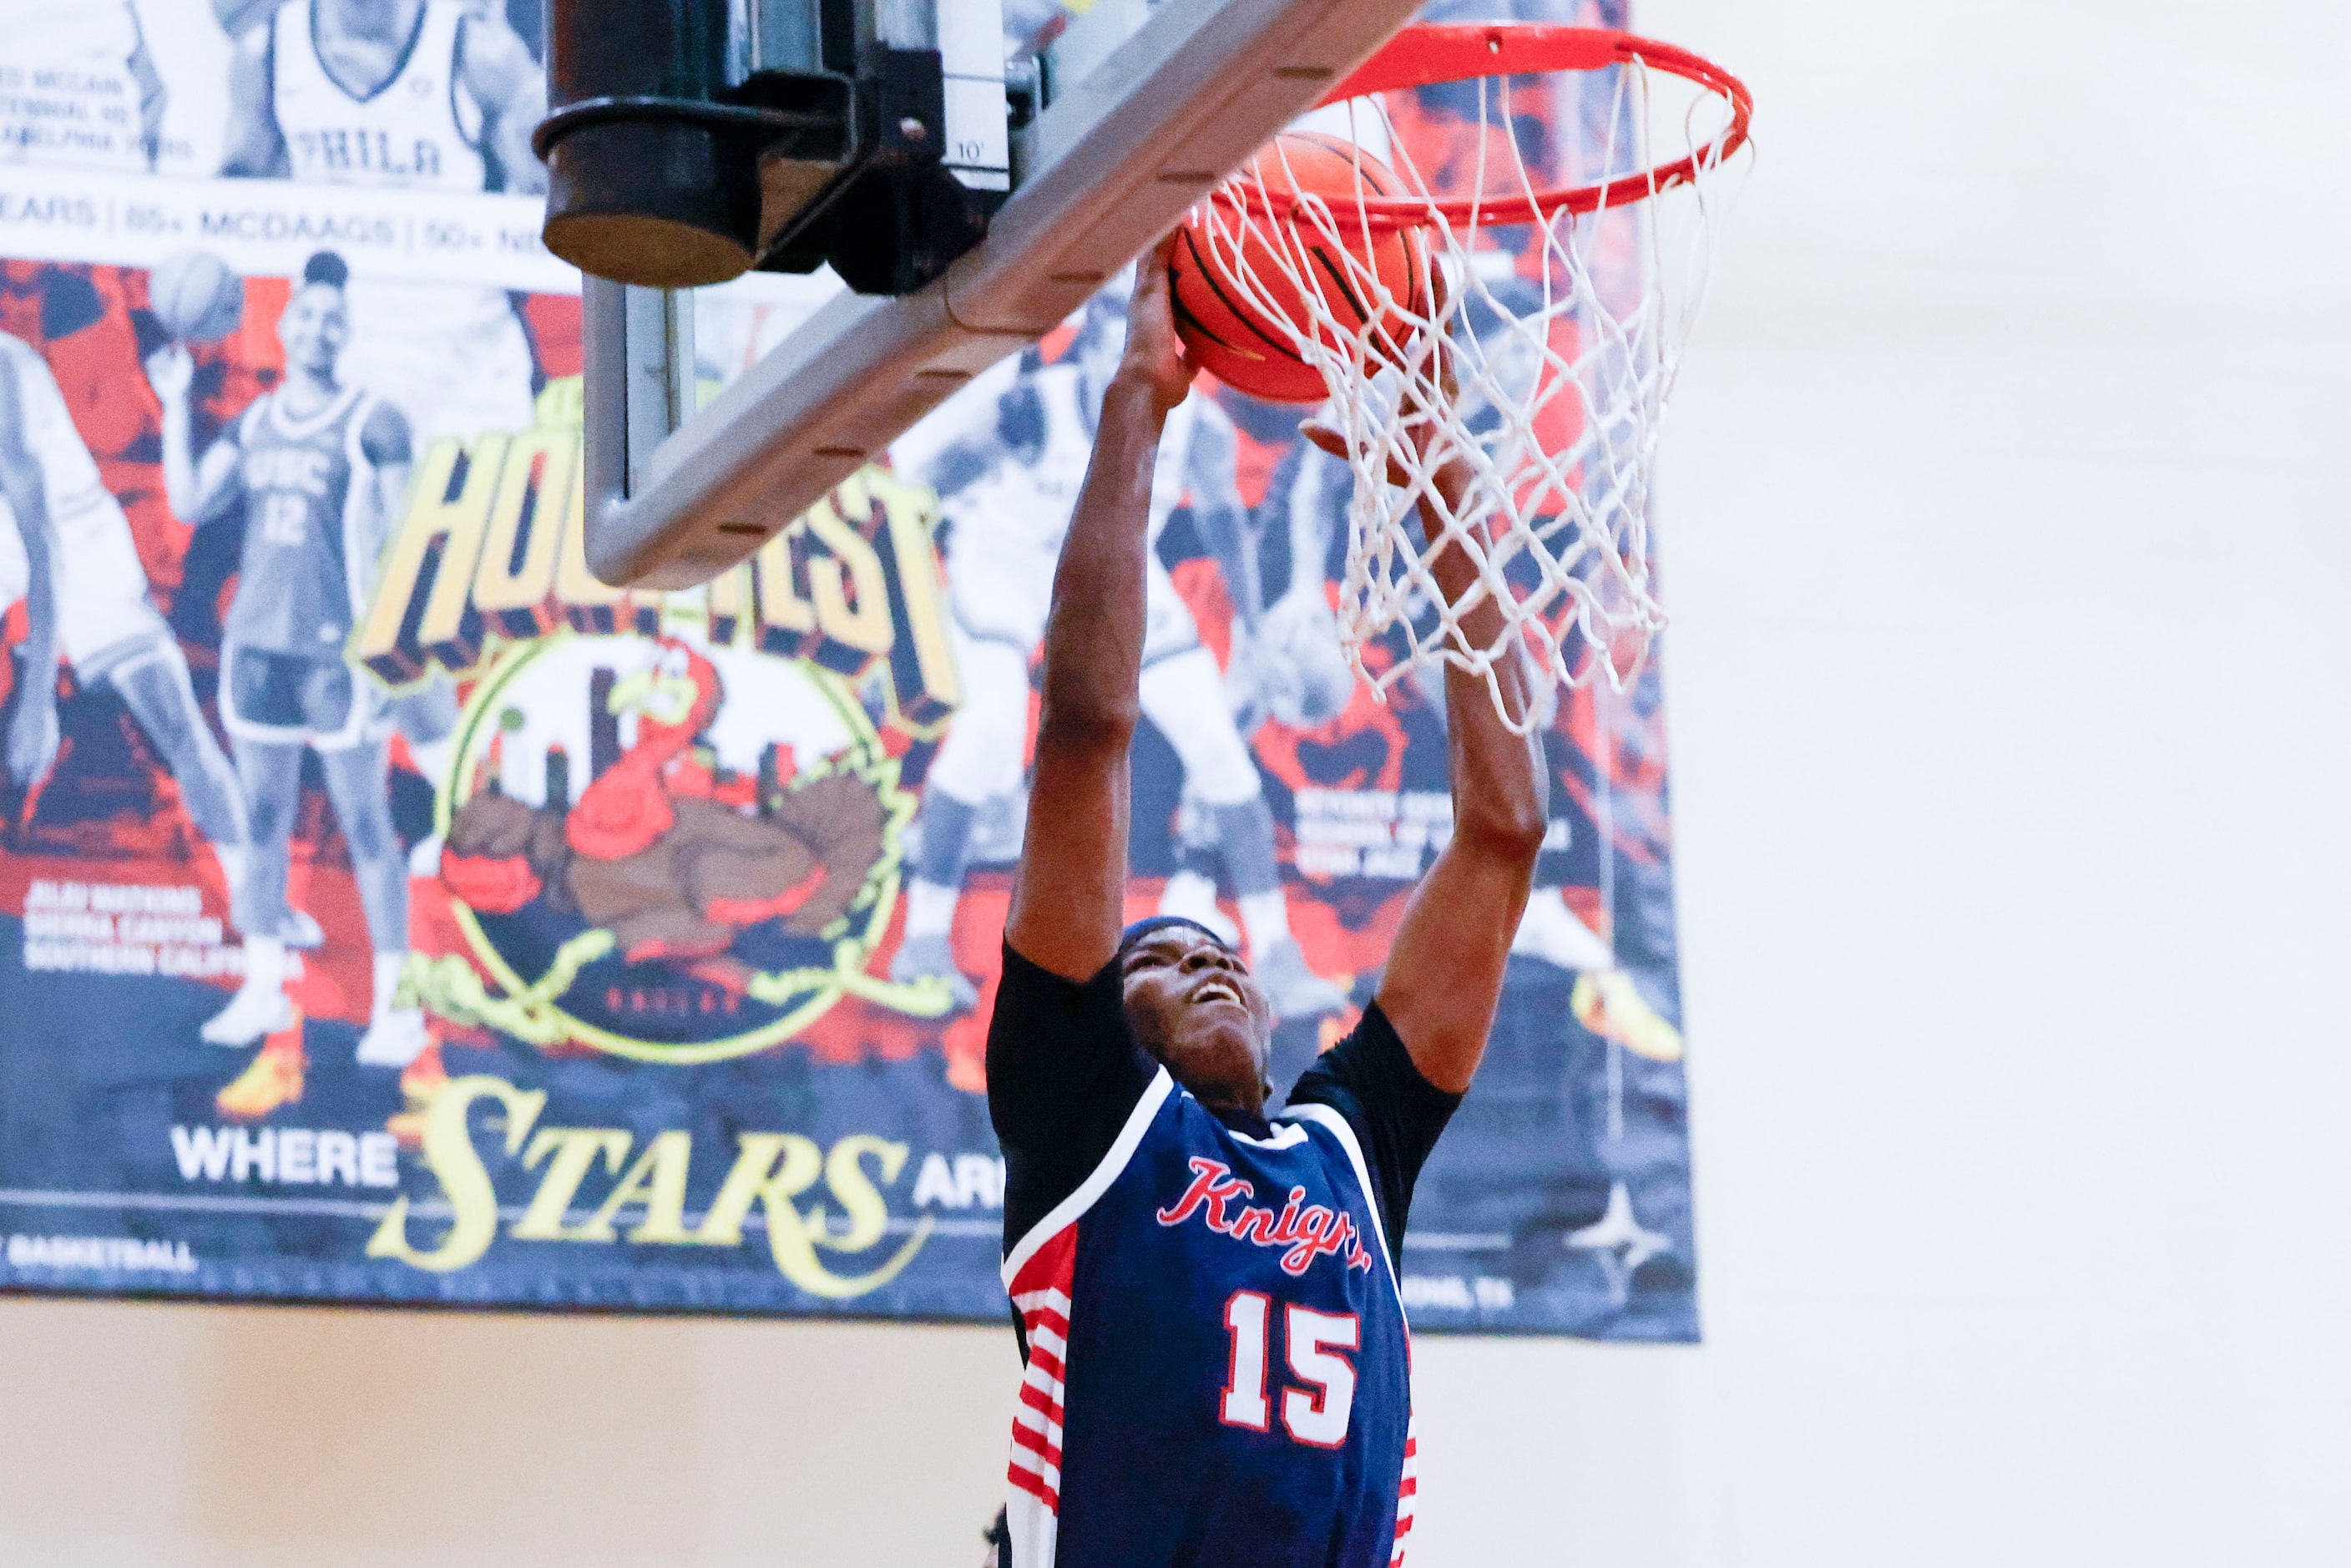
1217 1361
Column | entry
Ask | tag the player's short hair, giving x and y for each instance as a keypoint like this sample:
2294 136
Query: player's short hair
1143 928
326 268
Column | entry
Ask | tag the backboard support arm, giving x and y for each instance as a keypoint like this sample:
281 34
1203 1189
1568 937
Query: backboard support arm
645 390
1111 163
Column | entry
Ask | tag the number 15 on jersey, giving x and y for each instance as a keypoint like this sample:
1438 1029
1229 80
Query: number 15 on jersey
1314 1410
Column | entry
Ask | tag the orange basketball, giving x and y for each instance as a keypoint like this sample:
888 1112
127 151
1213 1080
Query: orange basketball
1235 333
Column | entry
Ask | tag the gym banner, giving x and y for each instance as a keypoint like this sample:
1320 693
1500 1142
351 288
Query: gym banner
391 913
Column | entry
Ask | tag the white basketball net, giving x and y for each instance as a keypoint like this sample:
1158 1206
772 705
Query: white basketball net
1563 336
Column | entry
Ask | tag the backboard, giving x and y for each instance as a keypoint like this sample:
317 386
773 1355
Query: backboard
1146 107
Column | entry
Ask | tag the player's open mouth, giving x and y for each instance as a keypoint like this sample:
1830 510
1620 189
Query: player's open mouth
1218 991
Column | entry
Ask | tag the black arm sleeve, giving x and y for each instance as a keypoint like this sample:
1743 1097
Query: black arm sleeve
1369 1077
1064 1072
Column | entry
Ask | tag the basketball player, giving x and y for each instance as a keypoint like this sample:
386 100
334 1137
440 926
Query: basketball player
1004 525
67 554
410 95
321 467
1217 1359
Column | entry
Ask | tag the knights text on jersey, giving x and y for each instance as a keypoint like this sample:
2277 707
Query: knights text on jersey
1219 1374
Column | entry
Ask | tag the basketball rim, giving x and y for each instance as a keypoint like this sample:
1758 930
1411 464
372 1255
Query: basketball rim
1437 53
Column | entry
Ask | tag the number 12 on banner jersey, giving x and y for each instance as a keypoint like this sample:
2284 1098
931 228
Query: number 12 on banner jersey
1315 1414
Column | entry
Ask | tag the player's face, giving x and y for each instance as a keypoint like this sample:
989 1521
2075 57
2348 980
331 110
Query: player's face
1195 1005
313 328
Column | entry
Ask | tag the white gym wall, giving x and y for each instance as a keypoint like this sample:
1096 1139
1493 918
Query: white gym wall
2007 541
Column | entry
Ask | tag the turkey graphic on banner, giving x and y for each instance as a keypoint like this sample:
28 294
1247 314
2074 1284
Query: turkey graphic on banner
392 912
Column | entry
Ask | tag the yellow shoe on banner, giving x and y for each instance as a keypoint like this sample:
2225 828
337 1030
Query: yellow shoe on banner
419 1083
272 1081
1612 1007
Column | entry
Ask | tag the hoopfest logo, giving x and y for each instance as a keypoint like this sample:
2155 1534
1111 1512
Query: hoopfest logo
1305 1231
671 827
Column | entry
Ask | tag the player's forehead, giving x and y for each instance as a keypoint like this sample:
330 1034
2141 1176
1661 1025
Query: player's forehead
1172 943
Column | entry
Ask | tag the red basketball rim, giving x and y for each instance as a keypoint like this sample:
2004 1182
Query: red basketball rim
1427 55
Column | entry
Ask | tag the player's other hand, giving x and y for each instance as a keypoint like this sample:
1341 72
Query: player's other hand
1431 390
1154 354
32 738
170 370
1333 440
1430 438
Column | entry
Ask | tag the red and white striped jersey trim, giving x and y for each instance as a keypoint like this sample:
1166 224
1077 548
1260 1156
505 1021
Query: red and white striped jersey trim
1042 1296
1408 1489
1040 1274
1067 1213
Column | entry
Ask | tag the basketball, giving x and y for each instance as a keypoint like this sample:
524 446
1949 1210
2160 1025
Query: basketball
1237 334
195 298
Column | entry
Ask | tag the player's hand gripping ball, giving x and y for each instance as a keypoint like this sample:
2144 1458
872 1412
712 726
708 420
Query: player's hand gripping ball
194 297
171 371
1240 305
1156 355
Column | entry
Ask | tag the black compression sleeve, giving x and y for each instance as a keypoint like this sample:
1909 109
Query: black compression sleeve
1369 1077
1063 1075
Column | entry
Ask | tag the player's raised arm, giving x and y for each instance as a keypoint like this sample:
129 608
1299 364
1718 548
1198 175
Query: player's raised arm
1445 975
199 491
254 149
1071 892
33 732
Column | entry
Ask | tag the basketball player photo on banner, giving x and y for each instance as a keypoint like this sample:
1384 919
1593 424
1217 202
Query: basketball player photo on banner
393 912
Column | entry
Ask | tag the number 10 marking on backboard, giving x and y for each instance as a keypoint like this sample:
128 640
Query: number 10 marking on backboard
1315 1414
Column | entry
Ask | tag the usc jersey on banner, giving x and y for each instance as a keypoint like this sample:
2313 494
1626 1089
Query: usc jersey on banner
303 580
1219 1370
